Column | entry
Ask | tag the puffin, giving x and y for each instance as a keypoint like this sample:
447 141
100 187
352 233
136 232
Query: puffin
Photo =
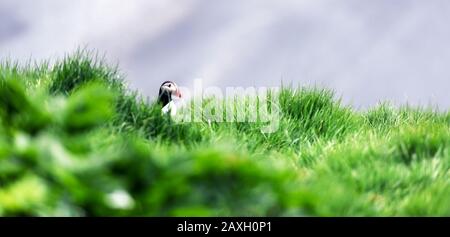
166 91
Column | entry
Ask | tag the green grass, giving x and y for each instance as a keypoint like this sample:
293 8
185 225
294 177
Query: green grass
74 141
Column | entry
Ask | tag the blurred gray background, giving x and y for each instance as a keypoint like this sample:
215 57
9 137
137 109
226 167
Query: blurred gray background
366 50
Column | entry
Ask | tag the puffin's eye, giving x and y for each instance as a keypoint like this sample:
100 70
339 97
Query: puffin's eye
170 85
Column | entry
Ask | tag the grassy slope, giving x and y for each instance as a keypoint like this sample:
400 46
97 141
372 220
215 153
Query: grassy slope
74 141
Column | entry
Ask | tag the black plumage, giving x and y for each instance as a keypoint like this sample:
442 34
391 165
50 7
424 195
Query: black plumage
164 96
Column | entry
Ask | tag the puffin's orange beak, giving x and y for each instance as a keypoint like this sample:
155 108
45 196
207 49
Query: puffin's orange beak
178 93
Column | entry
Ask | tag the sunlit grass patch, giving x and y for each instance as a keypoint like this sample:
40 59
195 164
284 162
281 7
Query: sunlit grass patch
74 141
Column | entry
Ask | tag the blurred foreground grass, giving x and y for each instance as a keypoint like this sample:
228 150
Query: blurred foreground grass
75 142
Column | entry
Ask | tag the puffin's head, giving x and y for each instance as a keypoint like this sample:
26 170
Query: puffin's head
167 90
169 87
